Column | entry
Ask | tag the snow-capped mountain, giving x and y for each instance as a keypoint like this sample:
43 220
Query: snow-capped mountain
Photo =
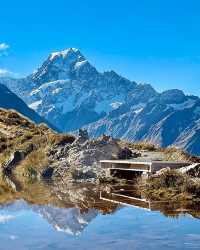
70 93
67 220
161 120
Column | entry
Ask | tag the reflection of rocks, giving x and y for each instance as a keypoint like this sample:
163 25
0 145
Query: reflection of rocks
14 159
71 209
67 208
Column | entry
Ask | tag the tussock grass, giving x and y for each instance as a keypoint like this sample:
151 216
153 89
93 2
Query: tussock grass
140 145
145 145
60 139
175 154
172 185
33 165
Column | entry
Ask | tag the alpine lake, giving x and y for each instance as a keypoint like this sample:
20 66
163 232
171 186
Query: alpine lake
86 216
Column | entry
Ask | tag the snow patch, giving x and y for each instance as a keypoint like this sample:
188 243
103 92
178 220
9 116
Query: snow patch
80 64
56 91
62 53
35 105
109 104
137 111
115 105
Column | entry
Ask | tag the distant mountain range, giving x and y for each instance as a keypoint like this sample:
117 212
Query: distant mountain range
70 93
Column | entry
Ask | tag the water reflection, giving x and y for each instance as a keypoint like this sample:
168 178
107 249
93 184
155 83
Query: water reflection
128 196
60 216
68 220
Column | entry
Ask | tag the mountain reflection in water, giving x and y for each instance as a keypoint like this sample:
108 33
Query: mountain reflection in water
81 216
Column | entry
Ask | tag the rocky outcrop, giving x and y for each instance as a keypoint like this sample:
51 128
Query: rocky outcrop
81 158
126 153
192 170
91 152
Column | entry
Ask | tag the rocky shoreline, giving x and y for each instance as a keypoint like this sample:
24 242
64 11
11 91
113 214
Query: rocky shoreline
30 152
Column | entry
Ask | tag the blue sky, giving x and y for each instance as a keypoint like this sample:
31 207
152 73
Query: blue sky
152 41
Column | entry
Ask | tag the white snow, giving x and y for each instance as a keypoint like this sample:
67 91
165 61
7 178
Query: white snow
138 107
56 91
115 105
35 105
63 53
79 64
137 111
109 103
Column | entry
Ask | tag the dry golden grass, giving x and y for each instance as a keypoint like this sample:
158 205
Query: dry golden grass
140 145
145 145
60 139
175 154
33 165
171 184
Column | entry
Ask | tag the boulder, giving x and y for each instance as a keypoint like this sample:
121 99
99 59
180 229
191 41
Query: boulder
125 153
14 159
82 136
161 171
192 170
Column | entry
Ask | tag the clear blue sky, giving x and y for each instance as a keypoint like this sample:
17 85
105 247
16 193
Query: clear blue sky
153 41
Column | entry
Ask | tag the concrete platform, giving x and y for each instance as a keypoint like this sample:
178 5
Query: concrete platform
141 166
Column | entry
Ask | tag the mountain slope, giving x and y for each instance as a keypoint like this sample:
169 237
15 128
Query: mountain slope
162 123
9 100
70 93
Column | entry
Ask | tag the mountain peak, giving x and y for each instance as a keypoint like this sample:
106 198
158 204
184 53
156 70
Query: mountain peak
67 53
59 65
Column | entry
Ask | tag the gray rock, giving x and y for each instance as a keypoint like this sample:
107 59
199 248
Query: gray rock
192 170
14 159
125 153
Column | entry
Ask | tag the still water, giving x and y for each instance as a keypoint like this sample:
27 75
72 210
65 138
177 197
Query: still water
84 220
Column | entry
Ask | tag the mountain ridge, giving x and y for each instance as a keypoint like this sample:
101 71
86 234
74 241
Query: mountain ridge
70 93
8 100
